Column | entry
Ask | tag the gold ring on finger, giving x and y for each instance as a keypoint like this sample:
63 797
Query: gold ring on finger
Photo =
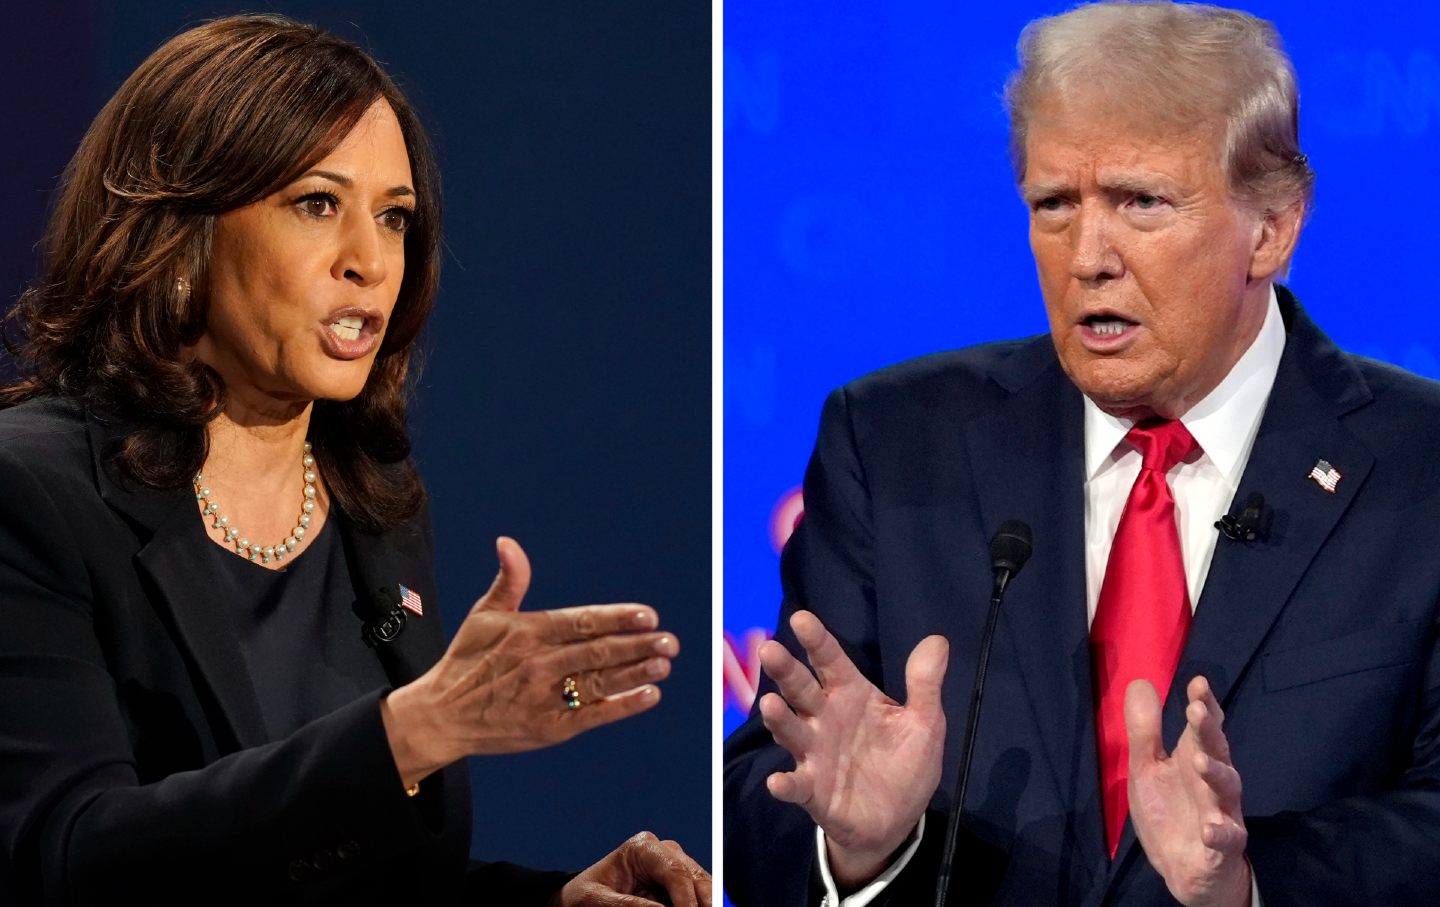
570 692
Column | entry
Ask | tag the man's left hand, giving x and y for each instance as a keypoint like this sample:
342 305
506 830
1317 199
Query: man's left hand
1185 806
642 872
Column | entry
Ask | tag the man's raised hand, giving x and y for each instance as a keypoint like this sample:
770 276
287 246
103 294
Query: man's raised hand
865 766
1185 806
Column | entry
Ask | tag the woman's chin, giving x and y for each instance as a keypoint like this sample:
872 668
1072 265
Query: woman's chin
340 381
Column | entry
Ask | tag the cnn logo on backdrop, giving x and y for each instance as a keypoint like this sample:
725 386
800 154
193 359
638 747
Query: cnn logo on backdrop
740 669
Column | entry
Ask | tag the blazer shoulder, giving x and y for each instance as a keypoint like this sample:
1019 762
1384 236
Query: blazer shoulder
48 435
1399 423
960 383
1391 386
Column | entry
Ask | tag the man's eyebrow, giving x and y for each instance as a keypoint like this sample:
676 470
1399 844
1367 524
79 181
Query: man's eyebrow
1138 183
347 182
1034 192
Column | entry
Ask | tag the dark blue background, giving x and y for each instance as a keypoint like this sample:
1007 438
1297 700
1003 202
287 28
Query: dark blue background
566 398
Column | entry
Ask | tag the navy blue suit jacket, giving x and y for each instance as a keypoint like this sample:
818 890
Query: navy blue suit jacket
1320 640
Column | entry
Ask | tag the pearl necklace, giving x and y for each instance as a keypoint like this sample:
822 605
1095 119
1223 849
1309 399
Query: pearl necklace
243 547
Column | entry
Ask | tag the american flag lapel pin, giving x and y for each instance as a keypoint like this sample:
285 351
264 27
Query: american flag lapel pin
1325 475
410 599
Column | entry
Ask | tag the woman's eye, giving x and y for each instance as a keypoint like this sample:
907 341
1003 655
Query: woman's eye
320 204
397 219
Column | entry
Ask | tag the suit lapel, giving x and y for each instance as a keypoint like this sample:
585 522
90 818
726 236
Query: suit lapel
1250 583
1029 465
383 560
166 523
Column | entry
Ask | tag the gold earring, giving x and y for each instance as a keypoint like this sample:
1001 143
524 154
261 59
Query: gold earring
182 286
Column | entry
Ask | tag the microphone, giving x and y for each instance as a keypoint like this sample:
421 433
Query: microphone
1009 550
1248 526
382 618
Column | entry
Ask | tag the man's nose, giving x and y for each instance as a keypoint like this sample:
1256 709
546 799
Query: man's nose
1093 256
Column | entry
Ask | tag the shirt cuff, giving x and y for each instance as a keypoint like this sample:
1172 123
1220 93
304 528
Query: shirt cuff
871 891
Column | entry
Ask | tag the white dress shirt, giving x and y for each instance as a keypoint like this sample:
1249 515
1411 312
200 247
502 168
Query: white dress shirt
1224 425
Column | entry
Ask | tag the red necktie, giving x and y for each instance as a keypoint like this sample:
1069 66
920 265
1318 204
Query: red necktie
1144 608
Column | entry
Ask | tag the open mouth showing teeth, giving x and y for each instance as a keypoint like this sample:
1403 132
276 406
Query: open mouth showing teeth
348 328
1108 326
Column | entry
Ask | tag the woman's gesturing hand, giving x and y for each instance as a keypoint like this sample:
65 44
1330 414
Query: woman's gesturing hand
514 680
642 872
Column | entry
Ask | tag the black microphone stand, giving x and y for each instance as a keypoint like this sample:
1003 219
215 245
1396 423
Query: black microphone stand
1008 551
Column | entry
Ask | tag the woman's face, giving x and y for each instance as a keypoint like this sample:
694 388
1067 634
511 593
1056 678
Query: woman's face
301 284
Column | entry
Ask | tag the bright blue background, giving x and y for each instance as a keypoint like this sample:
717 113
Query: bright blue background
871 214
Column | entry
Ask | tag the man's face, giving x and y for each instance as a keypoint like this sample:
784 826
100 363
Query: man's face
1147 265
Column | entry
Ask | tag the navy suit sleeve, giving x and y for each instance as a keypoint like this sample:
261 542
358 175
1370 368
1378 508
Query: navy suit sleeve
827 568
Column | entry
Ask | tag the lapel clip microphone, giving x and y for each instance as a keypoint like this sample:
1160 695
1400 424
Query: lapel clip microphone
1249 525
382 618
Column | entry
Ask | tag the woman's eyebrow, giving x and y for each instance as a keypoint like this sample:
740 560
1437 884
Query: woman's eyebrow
347 182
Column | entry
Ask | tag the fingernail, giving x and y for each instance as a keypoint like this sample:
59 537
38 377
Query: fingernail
664 644
644 619
655 667
649 692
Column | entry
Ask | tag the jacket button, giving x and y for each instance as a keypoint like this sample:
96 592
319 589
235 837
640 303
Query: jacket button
299 870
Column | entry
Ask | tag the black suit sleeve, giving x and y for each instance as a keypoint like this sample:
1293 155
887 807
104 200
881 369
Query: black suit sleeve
827 568
78 827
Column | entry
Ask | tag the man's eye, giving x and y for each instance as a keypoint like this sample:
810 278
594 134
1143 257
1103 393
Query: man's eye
1146 202
1053 203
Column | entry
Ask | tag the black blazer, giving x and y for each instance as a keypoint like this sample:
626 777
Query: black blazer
1319 639
133 760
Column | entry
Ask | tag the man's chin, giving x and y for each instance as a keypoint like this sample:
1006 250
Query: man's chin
1133 385
1125 400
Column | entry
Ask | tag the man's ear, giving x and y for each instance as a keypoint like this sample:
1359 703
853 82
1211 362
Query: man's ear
1275 237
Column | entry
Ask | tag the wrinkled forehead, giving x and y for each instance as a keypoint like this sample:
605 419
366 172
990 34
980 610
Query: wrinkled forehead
1096 125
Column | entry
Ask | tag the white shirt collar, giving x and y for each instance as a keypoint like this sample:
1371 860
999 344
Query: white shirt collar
1224 421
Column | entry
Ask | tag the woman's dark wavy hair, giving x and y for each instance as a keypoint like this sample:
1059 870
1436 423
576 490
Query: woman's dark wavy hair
219 117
